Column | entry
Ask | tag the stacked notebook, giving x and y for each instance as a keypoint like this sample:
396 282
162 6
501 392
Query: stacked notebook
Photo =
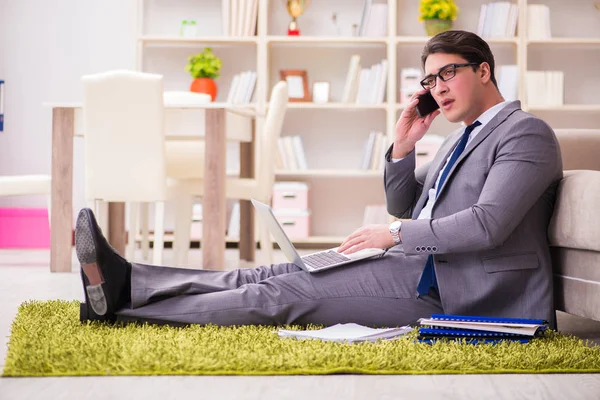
479 329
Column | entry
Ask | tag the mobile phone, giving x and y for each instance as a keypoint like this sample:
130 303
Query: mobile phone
426 105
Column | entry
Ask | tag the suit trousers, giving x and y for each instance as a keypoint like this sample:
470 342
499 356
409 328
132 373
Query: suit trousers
375 292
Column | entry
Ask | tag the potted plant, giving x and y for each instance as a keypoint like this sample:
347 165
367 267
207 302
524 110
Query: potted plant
204 68
437 15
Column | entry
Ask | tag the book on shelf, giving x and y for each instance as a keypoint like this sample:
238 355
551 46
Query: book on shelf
371 84
349 332
374 151
239 17
498 19
538 22
545 88
351 85
291 154
242 88
479 329
373 20
507 77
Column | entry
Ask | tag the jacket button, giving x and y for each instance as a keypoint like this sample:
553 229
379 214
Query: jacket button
434 249
418 249
428 248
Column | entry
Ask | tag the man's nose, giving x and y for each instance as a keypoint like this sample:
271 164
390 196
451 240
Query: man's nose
440 87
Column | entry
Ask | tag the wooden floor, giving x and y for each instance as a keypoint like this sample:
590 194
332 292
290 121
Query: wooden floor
25 275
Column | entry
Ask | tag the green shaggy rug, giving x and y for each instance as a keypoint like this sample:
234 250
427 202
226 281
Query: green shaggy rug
47 339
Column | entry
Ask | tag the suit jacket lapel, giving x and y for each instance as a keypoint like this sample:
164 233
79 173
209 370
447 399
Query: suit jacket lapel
485 132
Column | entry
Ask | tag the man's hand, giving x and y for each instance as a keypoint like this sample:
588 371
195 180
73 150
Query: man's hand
410 128
369 236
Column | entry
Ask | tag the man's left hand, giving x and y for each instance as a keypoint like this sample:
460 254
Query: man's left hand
369 236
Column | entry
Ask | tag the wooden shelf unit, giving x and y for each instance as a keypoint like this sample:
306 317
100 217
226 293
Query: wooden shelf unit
272 50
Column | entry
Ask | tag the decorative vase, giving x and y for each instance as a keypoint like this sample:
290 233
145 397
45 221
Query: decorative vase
435 26
204 85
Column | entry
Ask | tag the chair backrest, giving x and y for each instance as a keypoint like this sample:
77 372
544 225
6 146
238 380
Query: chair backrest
579 148
270 135
123 116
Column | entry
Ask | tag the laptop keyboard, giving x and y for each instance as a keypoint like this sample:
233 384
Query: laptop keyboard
324 259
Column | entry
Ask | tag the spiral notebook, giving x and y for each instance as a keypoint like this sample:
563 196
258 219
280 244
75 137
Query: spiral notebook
479 329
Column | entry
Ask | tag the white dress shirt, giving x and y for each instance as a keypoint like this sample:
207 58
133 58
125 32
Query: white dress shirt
484 119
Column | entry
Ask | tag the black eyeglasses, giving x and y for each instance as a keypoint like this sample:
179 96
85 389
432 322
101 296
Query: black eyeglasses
446 73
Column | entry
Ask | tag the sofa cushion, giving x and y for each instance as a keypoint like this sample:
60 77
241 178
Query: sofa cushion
575 222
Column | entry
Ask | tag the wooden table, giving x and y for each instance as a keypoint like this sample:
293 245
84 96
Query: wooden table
67 122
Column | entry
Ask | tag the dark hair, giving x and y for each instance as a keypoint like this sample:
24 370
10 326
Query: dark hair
465 44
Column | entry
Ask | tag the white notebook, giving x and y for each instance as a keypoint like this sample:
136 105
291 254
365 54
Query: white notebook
347 333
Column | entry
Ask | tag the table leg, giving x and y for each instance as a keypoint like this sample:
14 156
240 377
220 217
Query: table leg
117 237
61 224
214 206
247 240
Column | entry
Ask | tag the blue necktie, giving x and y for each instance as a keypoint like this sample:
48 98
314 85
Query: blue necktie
428 279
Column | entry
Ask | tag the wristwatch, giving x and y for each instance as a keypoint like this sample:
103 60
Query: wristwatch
395 231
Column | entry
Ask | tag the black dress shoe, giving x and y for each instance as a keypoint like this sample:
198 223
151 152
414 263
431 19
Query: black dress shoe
104 273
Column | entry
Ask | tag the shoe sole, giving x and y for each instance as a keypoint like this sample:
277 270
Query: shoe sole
85 247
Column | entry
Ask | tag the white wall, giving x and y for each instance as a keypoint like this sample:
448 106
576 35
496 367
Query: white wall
45 47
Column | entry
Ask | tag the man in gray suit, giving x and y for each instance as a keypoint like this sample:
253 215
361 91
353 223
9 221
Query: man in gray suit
475 244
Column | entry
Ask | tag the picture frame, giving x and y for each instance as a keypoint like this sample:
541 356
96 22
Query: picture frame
320 93
297 80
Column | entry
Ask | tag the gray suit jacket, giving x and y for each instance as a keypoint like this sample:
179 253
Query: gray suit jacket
488 232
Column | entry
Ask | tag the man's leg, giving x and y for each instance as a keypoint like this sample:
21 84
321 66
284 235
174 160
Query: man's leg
380 292
150 283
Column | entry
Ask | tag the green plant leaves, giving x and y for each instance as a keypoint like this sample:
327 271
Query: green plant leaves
204 65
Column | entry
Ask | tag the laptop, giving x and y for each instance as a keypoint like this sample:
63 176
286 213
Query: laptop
315 262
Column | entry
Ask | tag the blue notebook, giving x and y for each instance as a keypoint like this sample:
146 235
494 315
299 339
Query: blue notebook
466 333
470 318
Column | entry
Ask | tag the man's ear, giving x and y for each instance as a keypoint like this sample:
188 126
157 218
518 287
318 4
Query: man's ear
484 71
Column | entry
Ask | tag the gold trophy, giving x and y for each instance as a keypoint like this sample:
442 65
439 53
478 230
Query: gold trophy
295 8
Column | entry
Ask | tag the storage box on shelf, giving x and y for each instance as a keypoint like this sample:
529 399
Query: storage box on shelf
333 134
290 206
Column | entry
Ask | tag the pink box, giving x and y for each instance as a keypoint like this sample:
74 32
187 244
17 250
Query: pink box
290 195
24 228
295 223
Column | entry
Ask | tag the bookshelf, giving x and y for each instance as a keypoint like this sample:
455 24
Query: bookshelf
333 134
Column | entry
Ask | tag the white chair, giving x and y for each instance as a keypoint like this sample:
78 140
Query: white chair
123 113
260 188
183 147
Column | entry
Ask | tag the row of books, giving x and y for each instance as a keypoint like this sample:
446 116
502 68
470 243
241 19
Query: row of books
374 150
545 88
507 77
290 154
242 88
239 17
498 19
373 20
538 21
365 85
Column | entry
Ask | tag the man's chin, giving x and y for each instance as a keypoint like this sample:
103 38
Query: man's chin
452 117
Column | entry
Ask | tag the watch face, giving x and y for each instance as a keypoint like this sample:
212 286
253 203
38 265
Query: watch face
394 226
